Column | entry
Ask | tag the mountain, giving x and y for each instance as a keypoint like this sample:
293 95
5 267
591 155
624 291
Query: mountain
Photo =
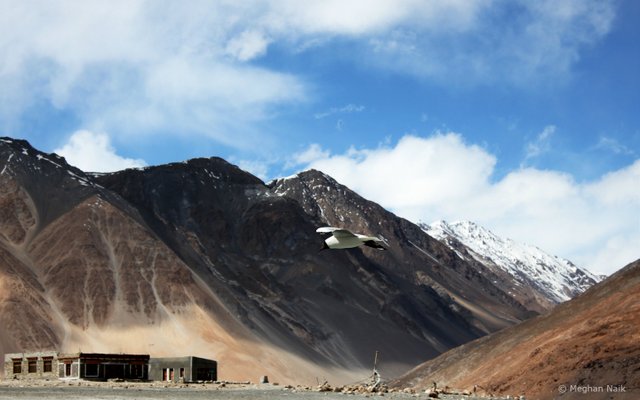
540 280
579 347
205 259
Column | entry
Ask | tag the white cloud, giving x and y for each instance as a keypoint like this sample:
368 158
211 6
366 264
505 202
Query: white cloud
313 153
248 45
139 68
365 17
93 152
596 224
417 172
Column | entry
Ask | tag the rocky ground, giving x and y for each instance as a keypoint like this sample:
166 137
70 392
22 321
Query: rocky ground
41 390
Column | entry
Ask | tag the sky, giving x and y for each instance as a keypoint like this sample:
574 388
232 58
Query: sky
522 116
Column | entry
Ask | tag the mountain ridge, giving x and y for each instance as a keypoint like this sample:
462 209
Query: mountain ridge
227 267
552 279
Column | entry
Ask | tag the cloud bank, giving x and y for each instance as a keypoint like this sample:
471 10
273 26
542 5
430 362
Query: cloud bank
595 224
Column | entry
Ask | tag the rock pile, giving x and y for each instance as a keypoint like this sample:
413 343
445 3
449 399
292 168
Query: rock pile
347 389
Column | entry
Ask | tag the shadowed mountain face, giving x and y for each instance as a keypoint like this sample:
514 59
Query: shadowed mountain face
590 341
203 258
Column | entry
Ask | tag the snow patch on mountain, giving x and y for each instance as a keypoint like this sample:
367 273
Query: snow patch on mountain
559 279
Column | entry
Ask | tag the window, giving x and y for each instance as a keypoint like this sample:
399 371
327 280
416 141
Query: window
91 370
47 364
67 369
33 365
17 366
167 374
137 371
205 374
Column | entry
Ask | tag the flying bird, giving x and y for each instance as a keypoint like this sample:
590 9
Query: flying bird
344 239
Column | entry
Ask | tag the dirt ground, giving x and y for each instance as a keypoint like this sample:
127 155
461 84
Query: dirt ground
24 390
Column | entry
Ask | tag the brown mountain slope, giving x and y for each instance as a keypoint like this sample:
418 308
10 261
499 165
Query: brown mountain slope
257 247
582 345
203 258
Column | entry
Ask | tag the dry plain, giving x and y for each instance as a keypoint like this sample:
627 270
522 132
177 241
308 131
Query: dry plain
21 390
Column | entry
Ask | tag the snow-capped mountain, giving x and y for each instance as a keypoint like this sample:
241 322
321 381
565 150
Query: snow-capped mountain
555 278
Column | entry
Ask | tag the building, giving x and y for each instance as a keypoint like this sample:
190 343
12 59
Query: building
39 365
183 369
100 366
92 366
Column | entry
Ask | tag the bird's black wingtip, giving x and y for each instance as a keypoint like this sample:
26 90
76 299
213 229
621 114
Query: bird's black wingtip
374 245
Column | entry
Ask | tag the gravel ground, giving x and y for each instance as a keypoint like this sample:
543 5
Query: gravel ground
128 391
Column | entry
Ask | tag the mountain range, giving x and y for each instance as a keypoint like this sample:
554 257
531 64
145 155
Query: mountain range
202 258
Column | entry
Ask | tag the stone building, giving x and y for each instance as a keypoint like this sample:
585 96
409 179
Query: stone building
39 365
95 366
183 369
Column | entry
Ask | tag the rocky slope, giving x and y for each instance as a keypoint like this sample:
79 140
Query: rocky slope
585 343
205 259
537 279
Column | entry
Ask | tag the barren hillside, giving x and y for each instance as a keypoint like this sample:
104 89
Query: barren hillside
590 341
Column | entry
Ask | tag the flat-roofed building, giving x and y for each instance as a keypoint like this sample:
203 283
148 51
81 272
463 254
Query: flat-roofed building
36 365
101 366
183 369
91 366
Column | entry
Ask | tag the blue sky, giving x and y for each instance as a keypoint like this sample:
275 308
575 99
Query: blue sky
522 116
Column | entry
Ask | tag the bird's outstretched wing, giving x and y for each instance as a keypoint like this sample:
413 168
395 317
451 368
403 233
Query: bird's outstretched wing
337 232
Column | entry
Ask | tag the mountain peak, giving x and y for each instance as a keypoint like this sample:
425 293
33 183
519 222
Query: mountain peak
203 168
308 175
556 278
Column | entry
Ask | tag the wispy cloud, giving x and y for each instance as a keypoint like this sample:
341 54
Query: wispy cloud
442 177
519 43
348 109
541 144
614 146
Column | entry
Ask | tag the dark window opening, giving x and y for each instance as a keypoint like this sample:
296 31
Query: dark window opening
17 366
67 369
136 371
47 364
182 373
91 370
205 374
33 365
